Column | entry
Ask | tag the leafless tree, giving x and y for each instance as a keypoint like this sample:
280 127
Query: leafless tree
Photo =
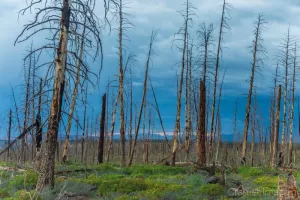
102 126
285 59
150 51
291 111
276 132
187 14
201 139
258 52
63 19
226 9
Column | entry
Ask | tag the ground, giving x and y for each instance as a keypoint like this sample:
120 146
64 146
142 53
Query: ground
108 181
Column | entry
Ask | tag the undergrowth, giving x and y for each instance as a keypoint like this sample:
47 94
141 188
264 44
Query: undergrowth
149 182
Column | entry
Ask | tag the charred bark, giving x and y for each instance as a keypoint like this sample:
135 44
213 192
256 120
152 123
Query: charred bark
102 126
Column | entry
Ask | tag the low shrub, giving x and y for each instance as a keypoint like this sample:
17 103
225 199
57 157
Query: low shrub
25 195
123 185
266 181
25 181
212 190
246 171
4 193
148 170
195 180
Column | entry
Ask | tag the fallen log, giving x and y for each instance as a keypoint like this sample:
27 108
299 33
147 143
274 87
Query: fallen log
74 170
12 169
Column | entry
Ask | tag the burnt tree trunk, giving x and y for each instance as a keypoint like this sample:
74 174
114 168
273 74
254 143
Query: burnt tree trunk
46 175
39 132
102 126
201 132
276 133
74 95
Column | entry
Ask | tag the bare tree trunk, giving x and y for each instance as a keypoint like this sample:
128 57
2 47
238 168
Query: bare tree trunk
39 131
121 87
130 120
102 125
26 109
222 26
253 130
18 119
290 156
159 115
276 134
144 128
177 122
110 148
256 50
188 120
273 110
147 140
46 176
84 125
85 155
218 113
284 122
8 134
74 95
201 132
218 125
33 108
143 98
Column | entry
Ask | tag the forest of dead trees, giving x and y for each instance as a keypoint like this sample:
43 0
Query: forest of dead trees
59 73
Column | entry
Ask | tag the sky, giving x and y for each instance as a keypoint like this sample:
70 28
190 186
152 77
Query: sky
162 15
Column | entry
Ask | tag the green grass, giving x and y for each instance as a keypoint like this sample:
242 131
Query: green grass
148 182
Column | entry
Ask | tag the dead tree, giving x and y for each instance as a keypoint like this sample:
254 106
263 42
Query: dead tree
32 102
75 92
39 130
9 133
150 51
84 124
257 52
64 27
273 114
187 15
159 115
201 139
17 114
218 115
85 153
124 23
144 129
205 34
234 129
223 27
114 112
276 132
26 108
253 129
290 155
286 63
188 121
102 126
76 139
130 115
